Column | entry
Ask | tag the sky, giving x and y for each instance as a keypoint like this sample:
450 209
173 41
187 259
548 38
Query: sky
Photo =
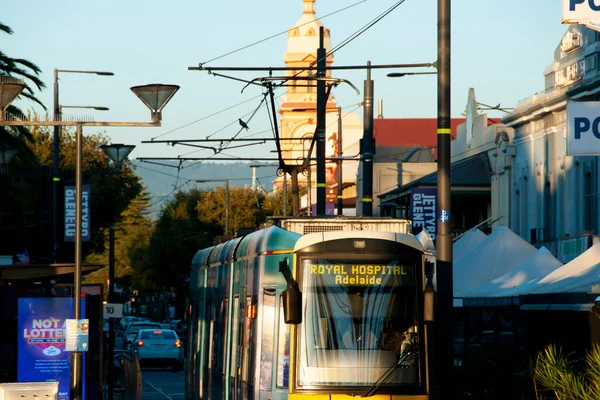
499 48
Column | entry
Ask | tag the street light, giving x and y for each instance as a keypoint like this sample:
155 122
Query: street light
99 108
117 152
226 199
9 89
164 93
56 159
254 166
401 74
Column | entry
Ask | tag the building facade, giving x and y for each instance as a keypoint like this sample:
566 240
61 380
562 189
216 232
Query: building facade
551 198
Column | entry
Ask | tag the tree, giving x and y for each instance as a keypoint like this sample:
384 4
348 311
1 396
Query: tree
178 236
132 237
245 207
25 218
273 204
19 213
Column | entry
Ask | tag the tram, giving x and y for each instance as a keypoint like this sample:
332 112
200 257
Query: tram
278 315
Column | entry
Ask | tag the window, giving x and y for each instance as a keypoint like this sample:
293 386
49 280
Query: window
234 336
352 320
517 212
524 200
266 348
283 352
588 201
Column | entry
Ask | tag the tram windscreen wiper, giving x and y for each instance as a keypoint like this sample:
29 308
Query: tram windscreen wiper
406 353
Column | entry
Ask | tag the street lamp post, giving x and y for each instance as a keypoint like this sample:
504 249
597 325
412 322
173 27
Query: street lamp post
155 97
226 199
117 152
56 160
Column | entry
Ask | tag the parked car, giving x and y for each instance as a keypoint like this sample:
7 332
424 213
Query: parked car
132 330
158 347
170 323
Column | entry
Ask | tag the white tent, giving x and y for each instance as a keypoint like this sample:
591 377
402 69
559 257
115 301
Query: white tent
467 242
578 275
425 239
540 264
501 252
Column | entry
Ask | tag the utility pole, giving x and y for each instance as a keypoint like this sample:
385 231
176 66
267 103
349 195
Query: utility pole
445 334
111 299
55 170
367 148
321 104
340 204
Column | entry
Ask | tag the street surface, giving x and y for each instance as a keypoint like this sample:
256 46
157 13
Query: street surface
162 384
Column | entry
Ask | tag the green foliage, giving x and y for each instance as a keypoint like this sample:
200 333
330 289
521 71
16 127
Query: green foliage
178 236
565 376
245 207
132 236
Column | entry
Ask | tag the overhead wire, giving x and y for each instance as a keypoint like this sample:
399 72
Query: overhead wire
206 117
281 33
332 51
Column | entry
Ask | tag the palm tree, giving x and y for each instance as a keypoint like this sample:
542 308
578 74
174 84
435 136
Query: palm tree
21 189
28 71
560 374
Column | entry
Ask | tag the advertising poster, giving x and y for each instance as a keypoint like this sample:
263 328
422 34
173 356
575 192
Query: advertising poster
41 335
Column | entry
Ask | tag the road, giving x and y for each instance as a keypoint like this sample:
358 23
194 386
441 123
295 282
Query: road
162 384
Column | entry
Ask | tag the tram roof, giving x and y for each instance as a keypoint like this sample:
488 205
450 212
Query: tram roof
318 237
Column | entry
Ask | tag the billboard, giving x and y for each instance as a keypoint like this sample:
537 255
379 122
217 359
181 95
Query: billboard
70 213
42 354
583 128
577 11
423 203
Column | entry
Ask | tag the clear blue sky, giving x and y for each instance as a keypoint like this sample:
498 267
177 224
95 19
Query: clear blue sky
499 48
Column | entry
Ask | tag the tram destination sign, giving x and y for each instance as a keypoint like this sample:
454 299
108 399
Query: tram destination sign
362 274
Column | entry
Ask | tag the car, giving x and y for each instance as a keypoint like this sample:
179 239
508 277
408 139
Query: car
170 323
158 347
132 330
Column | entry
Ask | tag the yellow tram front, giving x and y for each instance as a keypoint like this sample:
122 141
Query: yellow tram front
358 317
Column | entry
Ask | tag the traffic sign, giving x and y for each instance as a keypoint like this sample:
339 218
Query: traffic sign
113 310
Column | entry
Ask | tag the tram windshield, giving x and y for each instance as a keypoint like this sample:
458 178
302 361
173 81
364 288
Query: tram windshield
359 323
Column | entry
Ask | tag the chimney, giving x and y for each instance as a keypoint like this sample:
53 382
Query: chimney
380 107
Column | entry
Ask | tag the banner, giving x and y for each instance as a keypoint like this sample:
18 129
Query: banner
41 337
423 203
71 211
583 128
578 11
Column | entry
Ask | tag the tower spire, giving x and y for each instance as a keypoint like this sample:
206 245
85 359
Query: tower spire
309 6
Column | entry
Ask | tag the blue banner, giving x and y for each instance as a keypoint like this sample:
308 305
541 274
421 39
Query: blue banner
41 334
423 203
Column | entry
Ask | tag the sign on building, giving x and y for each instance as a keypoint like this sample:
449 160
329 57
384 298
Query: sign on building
70 213
580 11
583 128
423 203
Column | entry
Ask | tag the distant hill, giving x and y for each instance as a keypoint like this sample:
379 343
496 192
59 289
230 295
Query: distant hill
163 180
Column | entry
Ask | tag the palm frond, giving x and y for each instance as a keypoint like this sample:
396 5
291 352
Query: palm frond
5 29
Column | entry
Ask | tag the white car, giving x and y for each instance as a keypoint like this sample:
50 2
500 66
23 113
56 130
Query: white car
158 347
132 330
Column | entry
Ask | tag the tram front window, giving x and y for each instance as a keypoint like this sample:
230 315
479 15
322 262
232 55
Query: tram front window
359 323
